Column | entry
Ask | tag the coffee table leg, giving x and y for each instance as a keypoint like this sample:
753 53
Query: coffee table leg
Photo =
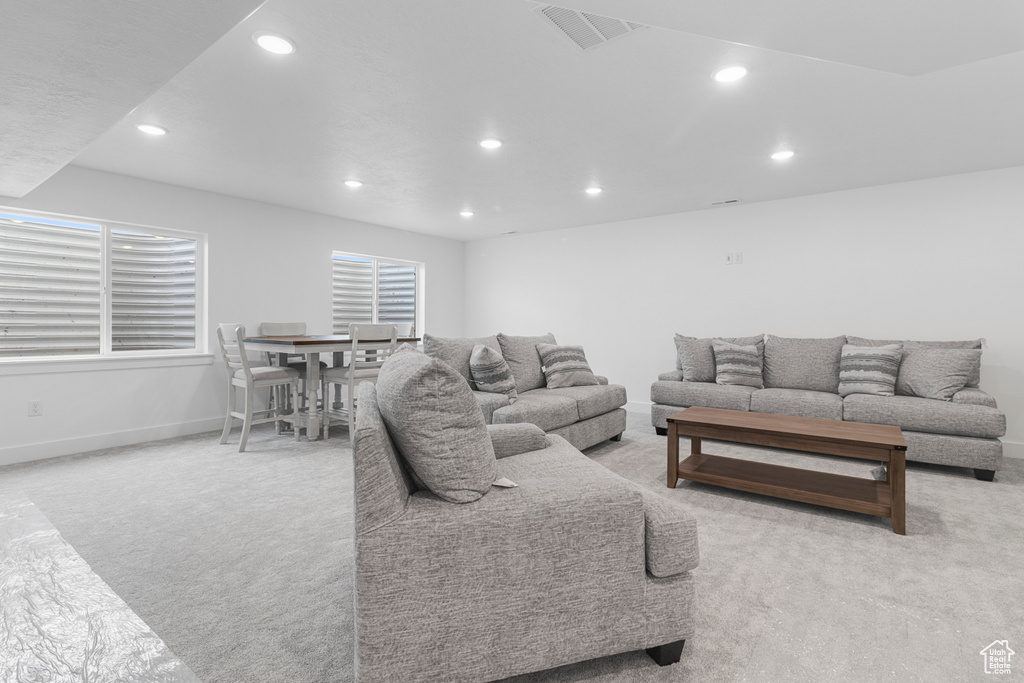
898 494
673 455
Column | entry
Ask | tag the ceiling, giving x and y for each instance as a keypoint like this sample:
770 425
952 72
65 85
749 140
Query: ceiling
397 93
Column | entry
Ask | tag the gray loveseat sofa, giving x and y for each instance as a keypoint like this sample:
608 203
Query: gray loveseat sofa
572 563
583 415
801 377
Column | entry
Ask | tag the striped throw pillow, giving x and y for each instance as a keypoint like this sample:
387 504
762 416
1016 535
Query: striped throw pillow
735 364
869 369
491 373
565 366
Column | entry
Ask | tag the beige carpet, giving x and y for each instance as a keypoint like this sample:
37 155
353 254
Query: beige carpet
242 563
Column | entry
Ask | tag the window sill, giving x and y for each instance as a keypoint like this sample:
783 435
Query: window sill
42 366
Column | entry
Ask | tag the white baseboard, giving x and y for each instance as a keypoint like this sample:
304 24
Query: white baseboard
1013 449
83 444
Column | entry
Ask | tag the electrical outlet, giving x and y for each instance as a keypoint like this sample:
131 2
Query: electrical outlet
728 259
737 257
35 408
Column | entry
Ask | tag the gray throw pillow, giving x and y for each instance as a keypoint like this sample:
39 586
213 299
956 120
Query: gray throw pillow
869 369
936 372
565 366
491 373
436 425
521 355
696 359
798 363
455 351
910 345
735 364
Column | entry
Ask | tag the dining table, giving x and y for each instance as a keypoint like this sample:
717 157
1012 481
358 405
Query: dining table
311 346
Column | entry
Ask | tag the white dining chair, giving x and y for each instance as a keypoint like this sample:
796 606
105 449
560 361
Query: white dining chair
371 346
249 378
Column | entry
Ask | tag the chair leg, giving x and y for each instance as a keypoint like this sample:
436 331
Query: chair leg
247 423
325 423
295 409
227 418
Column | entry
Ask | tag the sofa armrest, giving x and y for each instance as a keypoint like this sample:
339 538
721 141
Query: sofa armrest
489 402
601 379
975 397
673 376
516 438
670 536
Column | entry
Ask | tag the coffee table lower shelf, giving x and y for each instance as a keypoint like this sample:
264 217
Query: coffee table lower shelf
839 491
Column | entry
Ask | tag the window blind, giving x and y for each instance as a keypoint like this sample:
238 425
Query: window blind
370 290
50 287
152 292
352 291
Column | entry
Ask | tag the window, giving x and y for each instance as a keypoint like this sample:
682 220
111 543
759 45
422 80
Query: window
375 290
71 287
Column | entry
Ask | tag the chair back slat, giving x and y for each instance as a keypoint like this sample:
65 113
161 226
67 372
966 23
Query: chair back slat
371 345
230 336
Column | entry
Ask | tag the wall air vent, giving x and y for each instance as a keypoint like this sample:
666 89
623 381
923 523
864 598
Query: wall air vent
585 30
725 201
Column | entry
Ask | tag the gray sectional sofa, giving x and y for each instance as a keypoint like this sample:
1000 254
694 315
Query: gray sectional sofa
802 377
488 551
583 415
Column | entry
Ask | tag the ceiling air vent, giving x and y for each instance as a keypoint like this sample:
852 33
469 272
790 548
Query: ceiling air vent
725 201
585 30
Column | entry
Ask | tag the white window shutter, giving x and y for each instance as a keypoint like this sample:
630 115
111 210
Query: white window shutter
396 294
352 291
153 292
50 285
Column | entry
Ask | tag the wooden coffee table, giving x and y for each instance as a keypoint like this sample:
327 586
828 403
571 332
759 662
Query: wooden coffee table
880 443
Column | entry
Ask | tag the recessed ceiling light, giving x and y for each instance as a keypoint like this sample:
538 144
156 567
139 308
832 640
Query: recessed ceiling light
594 190
783 155
353 183
490 143
150 129
466 214
730 74
271 42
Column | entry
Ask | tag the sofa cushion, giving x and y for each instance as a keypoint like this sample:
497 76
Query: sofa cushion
565 366
925 415
541 407
869 369
909 346
798 402
670 536
696 359
793 363
936 372
688 394
592 401
436 426
491 373
737 365
521 355
456 351
489 403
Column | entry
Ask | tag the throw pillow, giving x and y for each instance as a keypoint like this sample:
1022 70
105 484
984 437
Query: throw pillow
936 372
696 359
869 369
735 364
521 355
565 366
909 346
436 425
455 351
799 363
491 373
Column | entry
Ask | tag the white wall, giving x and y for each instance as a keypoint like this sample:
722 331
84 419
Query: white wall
931 259
266 262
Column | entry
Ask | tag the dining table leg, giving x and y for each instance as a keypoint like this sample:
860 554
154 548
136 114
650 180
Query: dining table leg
312 396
